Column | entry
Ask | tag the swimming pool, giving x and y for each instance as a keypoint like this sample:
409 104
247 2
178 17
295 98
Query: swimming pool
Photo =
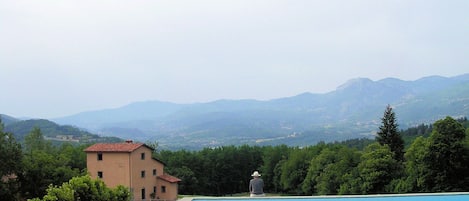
402 197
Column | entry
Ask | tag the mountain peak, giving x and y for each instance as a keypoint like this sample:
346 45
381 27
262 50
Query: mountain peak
433 78
356 82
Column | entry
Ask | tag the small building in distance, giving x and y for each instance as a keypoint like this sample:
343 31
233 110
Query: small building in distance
132 165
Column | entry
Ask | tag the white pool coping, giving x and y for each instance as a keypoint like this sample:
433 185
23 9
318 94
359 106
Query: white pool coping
322 196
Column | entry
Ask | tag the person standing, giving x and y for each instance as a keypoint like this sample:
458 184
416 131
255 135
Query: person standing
256 185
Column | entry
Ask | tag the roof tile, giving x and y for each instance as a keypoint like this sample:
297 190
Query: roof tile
114 147
169 178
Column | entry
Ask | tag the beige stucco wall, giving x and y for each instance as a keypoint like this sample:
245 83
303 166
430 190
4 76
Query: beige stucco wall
123 168
115 168
171 190
147 165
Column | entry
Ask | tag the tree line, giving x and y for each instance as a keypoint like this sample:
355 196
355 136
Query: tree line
425 158
434 160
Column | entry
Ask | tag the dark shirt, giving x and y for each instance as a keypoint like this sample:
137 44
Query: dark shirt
256 186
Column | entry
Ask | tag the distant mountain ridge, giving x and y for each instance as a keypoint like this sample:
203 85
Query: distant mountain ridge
7 119
352 110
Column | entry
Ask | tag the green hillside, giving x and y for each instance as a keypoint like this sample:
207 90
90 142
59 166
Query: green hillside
55 132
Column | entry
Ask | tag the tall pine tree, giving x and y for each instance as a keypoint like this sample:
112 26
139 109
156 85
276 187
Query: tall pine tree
389 135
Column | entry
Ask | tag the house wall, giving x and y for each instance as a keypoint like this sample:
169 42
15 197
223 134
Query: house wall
171 190
114 166
147 164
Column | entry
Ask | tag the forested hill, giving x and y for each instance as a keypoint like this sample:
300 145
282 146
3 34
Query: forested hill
7 119
353 110
52 131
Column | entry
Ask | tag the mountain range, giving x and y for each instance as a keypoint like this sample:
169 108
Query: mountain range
353 110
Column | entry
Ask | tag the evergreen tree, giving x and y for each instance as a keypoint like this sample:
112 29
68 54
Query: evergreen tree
10 165
388 134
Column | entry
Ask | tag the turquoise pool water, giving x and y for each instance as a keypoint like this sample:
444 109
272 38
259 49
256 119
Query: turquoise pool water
423 197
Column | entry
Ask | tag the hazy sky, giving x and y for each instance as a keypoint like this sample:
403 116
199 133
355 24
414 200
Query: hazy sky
59 58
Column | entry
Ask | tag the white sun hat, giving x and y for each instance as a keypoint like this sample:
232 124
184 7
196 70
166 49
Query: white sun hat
256 174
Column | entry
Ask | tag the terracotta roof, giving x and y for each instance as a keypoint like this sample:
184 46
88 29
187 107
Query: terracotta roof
169 178
114 147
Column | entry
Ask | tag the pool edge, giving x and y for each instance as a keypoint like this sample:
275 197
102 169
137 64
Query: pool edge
322 196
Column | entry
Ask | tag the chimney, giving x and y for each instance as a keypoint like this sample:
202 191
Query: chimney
129 141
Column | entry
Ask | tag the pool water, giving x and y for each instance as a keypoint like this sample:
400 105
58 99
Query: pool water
413 197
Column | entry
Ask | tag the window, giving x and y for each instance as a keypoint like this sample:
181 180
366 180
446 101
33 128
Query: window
100 174
142 173
163 189
143 193
154 172
100 156
154 189
142 156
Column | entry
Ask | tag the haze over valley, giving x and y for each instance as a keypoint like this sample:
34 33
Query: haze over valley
351 111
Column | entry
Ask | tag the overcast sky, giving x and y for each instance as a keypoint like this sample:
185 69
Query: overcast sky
59 58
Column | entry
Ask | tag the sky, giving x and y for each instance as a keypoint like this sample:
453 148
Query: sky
59 58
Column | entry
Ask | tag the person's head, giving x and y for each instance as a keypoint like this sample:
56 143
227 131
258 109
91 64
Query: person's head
256 174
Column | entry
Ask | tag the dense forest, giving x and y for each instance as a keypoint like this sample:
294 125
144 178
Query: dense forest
435 162
425 158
